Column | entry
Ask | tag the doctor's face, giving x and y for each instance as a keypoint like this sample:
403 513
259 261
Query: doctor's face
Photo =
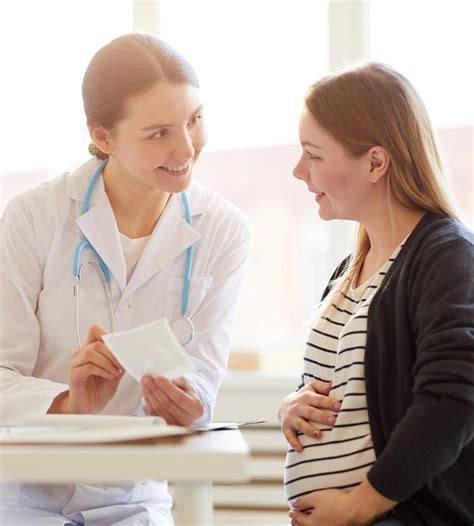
338 181
160 139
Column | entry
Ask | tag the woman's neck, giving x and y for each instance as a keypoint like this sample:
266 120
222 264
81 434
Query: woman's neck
137 207
387 231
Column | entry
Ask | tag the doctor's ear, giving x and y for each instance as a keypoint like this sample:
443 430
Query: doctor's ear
102 138
379 163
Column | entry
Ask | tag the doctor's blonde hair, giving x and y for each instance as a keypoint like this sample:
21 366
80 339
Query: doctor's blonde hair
124 68
374 105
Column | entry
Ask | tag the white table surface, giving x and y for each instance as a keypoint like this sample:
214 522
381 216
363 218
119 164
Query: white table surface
191 463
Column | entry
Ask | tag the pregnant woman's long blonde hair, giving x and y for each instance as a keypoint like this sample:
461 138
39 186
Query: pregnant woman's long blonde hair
374 105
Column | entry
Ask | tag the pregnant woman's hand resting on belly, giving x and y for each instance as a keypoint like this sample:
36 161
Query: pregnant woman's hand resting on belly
337 507
300 411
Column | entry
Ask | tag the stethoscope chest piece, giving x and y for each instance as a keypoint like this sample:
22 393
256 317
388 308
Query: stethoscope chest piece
183 329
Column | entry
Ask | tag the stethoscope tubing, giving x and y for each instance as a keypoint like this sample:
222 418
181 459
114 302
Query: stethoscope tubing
85 244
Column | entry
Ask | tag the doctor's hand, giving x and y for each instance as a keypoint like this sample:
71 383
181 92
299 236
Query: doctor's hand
299 411
94 375
174 400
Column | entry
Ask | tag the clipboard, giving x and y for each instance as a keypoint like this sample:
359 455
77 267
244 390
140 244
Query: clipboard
83 435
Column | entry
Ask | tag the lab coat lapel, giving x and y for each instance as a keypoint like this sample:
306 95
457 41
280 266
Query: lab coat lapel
171 237
99 226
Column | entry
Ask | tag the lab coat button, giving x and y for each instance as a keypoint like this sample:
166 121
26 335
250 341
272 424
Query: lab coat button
124 306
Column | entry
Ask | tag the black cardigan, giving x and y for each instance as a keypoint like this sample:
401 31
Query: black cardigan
419 372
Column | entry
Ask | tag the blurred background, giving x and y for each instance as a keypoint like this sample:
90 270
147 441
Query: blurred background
255 60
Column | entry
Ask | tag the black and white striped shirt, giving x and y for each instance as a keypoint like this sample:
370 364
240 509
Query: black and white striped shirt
335 353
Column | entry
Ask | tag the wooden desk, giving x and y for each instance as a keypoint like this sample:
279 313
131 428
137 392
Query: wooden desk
191 463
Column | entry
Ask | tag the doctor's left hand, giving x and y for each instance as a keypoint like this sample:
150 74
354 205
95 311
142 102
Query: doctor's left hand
174 400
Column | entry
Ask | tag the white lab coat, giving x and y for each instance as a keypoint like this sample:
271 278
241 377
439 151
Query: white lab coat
39 232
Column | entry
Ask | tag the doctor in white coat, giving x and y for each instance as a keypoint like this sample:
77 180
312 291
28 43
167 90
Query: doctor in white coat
145 118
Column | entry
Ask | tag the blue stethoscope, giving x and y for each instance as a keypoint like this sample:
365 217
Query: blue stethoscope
182 326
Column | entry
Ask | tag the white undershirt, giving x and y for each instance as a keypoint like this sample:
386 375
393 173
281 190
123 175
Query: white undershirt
132 250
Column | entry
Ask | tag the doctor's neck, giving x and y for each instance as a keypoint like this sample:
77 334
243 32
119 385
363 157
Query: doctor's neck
137 207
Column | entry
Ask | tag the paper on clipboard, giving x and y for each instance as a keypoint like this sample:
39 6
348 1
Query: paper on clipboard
71 435
82 421
85 429
150 349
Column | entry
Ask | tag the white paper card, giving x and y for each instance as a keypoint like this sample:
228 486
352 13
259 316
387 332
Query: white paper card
150 349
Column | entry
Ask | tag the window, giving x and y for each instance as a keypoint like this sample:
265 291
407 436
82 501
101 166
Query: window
46 48
255 60
430 43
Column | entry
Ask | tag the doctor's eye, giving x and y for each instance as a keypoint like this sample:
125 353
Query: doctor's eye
195 120
159 134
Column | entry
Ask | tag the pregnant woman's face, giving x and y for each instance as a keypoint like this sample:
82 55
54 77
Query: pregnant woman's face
339 181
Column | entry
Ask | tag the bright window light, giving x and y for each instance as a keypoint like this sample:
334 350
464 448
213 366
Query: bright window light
255 61
46 46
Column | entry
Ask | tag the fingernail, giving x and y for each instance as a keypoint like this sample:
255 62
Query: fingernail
296 504
331 420
337 406
316 433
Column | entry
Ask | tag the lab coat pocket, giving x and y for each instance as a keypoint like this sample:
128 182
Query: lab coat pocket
174 291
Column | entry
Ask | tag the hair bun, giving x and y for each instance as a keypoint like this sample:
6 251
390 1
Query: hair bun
97 152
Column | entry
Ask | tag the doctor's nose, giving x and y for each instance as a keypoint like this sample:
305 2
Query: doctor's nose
183 149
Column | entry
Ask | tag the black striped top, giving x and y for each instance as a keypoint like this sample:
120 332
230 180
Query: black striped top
335 353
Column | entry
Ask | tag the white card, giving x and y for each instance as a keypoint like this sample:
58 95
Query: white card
150 349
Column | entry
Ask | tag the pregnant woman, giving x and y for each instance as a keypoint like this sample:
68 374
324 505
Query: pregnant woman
381 427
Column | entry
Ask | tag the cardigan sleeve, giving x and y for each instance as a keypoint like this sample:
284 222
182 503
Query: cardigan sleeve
440 421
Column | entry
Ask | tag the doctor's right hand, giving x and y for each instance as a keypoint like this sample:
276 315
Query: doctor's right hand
298 412
94 376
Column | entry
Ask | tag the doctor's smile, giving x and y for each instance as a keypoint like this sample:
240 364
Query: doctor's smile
177 170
